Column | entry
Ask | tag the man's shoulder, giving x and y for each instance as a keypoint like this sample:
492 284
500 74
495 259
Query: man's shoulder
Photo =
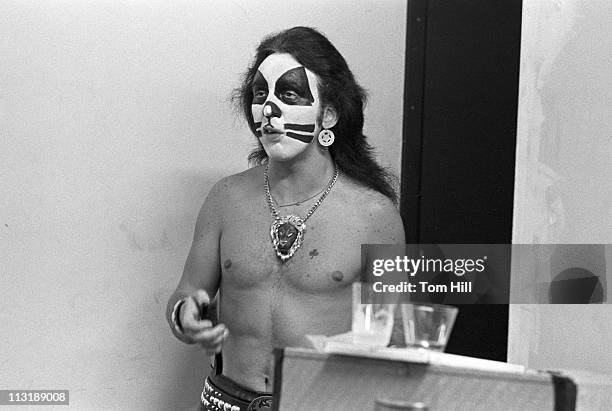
231 190
239 183
377 212
366 199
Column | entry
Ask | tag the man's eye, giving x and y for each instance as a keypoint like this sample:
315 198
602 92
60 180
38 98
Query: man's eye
290 96
259 94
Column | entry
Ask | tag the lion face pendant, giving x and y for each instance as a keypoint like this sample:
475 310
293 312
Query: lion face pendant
287 234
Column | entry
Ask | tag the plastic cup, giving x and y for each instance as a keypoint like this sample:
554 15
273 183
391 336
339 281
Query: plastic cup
372 317
428 325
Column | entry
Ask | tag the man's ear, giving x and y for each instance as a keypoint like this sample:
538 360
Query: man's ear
330 117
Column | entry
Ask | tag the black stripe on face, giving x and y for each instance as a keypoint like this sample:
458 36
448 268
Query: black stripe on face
260 89
310 128
292 88
305 138
257 128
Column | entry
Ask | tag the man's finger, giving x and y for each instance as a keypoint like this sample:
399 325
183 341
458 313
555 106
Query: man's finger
217 341
192 326
209 335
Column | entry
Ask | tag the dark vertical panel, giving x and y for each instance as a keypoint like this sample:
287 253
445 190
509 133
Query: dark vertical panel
469 121
413 118
467 144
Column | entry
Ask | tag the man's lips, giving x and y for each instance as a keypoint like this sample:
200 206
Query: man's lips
268 129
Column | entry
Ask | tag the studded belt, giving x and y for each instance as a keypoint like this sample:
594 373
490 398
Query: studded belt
222 394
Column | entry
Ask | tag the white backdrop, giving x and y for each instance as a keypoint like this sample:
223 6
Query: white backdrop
114 124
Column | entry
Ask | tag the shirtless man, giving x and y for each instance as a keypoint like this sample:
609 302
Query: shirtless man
276 280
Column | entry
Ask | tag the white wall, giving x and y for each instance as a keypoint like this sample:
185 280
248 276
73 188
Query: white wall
563 173
114 124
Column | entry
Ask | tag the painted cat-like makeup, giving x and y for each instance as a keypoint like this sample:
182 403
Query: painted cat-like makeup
285 105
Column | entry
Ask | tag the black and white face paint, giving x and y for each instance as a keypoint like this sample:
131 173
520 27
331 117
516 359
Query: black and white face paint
285 106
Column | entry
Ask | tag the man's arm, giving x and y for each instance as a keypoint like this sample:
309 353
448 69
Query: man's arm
201 276
386 226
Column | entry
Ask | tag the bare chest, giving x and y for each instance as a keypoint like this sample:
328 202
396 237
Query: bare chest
328 259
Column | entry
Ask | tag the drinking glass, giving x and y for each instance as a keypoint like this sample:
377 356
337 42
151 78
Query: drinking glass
372 316
428 325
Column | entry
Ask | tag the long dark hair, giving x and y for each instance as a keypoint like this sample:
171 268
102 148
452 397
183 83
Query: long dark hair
338 88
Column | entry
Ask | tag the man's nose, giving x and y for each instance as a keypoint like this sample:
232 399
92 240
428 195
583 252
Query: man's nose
271 110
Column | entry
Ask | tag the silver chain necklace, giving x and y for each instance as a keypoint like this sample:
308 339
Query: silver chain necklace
288 232
297 203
